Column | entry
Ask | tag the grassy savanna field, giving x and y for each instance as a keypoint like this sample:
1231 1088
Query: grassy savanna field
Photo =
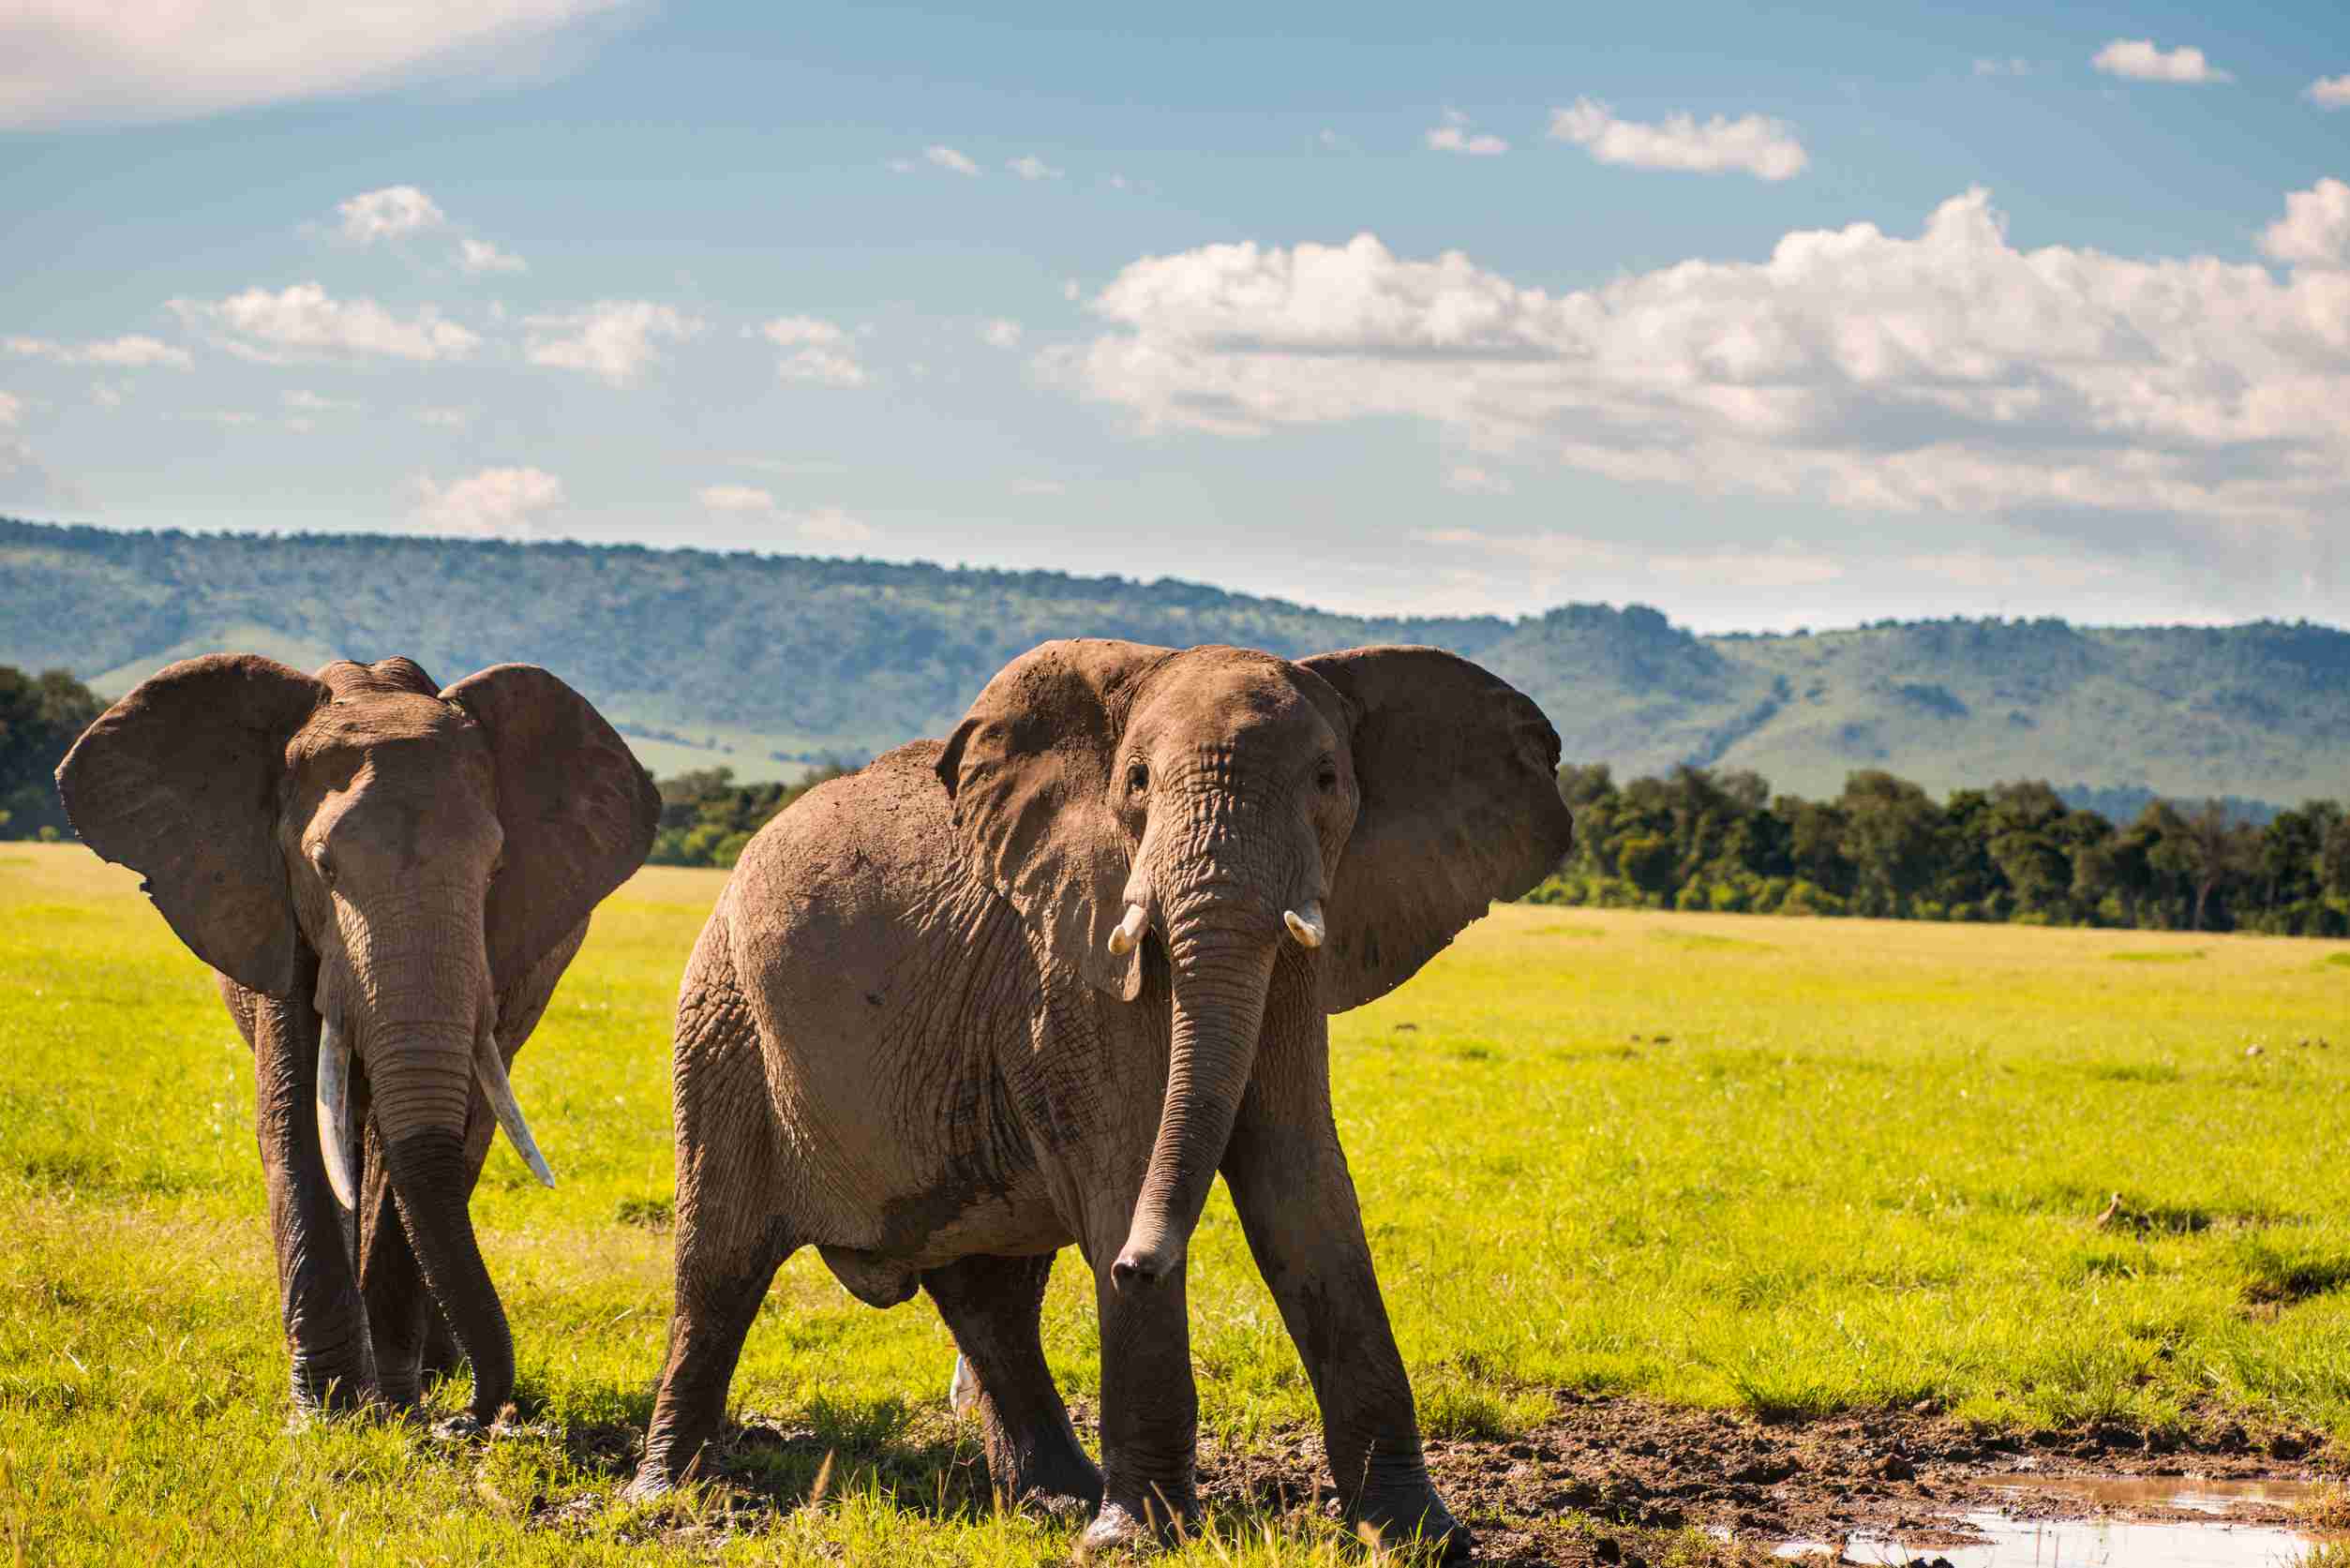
1771 1164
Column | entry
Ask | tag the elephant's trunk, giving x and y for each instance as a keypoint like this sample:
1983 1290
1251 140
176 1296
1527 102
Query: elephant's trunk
422 1091
1221 974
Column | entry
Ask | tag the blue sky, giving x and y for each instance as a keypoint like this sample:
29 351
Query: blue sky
1765 318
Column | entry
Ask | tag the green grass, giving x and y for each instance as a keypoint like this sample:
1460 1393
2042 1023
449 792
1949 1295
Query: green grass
1859 1164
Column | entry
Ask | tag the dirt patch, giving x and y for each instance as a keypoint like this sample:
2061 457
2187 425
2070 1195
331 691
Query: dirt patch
1619 1482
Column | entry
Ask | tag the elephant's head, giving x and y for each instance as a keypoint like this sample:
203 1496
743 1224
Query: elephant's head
394 856
1352 811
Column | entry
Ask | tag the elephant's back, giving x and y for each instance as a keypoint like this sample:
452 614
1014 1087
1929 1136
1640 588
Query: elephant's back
886 830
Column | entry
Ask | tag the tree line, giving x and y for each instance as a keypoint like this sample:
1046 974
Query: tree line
1708 840
40 716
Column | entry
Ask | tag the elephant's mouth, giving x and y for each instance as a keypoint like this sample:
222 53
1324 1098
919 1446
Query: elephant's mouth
337 1120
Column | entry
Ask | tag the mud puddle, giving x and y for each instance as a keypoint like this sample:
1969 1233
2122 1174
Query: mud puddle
2003 1541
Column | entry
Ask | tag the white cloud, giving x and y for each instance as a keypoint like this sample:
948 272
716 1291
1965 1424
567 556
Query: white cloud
735 498
1454 136
1001 333
12 411
948 158
443 418
71 62
304 321
2014 64
388 214
479 256
1038 487
493 502
1331 140
817 352
2330 92
2139 61
1031 166
1467 479
1751 144
1947 372
903 166
830 525
304 401
132 352
2315 230
1069 291
613 340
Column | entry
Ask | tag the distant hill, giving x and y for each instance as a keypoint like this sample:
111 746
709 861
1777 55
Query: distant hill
767 663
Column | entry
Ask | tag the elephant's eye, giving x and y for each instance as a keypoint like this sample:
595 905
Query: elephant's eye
1327 780
1137 778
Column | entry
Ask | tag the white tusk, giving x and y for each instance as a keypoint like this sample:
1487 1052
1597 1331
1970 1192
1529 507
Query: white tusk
964 1392
334 1131
1129 931
1306 924
490 1068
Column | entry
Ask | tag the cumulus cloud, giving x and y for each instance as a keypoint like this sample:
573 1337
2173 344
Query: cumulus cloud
1001 333
736 498
830 525
613 340
493 502
1751 144
2330 92
1948 371
388 214
2138 60
12 411
951 160
69 62
479 256
306 322
2315 230
815 351
1033 168
132 352
1454 136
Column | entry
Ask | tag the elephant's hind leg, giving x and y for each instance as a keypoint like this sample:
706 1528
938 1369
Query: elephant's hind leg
995 1306
732 1235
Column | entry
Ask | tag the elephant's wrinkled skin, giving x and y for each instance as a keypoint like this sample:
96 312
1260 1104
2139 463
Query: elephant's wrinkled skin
1039 984
390 880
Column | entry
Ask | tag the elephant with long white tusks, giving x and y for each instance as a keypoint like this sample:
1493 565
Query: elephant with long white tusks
390 879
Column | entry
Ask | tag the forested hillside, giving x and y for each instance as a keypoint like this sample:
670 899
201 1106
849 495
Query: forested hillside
767 663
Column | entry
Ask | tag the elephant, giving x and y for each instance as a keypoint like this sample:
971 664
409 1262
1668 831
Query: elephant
1039 983
389 879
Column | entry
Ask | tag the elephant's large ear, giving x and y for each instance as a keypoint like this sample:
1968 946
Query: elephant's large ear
1457 775
578 811
1029 770
179 781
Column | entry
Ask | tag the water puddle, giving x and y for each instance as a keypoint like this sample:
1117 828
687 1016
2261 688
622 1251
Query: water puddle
2006 1541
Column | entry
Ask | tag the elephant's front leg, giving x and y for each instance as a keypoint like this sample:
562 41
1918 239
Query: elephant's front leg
1150 1408
1289 1181
325 1327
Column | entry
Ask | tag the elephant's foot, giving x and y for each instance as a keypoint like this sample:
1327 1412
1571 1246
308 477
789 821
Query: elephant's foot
324 1388
1139 1524
1059 1483
1417 1518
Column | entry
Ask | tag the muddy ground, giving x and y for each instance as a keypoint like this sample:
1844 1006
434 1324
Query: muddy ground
1642 1472
1616 1483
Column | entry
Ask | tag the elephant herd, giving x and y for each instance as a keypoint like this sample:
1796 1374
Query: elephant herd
1036 984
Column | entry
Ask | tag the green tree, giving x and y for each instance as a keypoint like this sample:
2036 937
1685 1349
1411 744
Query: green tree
40 716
